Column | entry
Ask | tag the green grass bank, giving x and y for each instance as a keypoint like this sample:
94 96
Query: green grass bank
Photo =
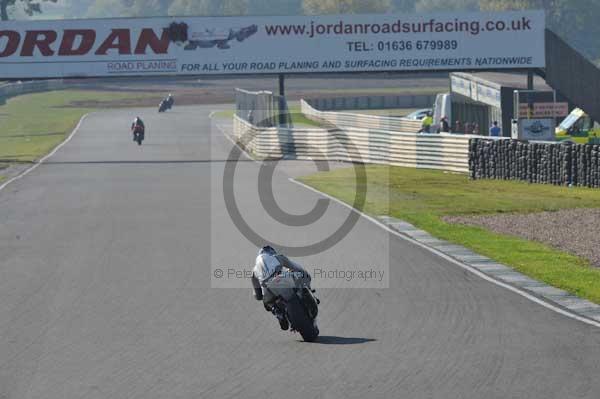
32 125
424 197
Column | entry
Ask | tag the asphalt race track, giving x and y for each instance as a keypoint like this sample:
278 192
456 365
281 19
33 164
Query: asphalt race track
106 257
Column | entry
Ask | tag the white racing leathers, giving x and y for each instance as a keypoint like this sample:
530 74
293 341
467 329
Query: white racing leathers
266 266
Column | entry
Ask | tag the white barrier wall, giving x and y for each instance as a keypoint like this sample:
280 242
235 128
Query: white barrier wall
372 102
430 151
347 119
15 89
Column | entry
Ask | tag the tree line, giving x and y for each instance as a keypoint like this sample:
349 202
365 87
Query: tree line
575 21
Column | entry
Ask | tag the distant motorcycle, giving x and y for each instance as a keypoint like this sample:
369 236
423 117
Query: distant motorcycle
166 104
163 106
138 134
301 306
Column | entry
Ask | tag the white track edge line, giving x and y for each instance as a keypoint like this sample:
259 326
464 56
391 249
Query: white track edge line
41 160
465 266
228 137
442 255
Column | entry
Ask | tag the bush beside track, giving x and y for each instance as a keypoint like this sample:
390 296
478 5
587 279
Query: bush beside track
425 197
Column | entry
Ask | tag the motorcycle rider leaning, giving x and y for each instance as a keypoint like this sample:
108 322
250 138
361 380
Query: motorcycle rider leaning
138 124
268 264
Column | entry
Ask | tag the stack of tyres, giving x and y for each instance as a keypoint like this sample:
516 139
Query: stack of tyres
544 163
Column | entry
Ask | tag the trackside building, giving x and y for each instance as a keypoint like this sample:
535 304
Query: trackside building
486 97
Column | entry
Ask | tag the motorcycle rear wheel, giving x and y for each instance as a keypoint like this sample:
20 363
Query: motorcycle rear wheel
300 321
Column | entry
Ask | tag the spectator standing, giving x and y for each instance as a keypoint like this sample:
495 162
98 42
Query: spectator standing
444 125
495 130
426 124
476 129
457 127
468 128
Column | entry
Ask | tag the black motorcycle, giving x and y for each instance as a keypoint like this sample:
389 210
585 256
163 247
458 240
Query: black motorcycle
166 104
296 299
163 106
138 135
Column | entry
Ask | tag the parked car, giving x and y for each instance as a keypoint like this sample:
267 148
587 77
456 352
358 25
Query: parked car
418 114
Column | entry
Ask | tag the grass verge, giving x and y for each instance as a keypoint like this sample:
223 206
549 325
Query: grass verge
424 197
33 124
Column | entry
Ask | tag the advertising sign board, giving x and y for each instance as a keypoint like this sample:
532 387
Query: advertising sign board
536 129
251 45
544 110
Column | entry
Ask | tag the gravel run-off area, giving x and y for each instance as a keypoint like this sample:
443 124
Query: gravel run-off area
576 231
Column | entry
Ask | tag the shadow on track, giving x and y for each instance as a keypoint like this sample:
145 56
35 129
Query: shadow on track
333 340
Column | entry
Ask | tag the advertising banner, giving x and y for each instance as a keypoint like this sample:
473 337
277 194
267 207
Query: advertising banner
250 45
544 110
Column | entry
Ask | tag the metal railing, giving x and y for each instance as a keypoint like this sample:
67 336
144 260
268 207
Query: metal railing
262 108
372 102
9 90
431 151
346 119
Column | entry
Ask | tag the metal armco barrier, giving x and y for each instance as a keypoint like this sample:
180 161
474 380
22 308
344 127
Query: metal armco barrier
431 151
16 89
261 108
346 119
547 163
372 102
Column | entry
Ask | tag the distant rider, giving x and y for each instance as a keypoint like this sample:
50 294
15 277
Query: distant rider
268 264
170 100
138 127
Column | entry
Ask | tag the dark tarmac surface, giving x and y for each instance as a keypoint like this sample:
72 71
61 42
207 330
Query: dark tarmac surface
106 257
